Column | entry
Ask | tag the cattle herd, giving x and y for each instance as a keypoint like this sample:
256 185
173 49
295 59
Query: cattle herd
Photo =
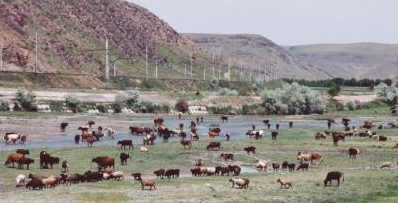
106 165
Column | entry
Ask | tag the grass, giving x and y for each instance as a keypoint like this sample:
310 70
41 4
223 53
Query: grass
104 197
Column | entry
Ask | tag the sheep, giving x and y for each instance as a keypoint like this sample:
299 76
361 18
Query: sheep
20 179
144 149
385 165
241 182
285 183
117 175
50 182
147 182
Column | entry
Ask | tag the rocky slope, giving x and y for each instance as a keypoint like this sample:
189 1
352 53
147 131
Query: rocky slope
256 52
71 37
360 60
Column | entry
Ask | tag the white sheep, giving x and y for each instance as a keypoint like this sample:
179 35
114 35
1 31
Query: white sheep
20 180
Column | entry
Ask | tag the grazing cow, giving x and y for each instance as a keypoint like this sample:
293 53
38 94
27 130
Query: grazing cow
222 170
196 171
35 184
290 166
12 158
213 145
159 173
104 162
334 175
147 183
172 173
285 183
274 135
22 161
291 124
50 182
185 144
23 151
227 157
11 137
316 156
276 166
125 143
20 179
136 176
36 176
124 157
319 136
262 165
385 165
51 160
77 139
118 175
337 136
207 170
65 166
94 176
382 138
250 149
75 178
240 182
234 169
303 166
353 152
63 126
224 119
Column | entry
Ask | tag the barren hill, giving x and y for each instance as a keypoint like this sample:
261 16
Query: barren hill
71 38
256 52
357 60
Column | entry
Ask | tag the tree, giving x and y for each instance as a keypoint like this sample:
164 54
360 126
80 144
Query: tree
26 99
334 91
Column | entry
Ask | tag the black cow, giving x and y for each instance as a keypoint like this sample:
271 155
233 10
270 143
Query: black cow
93 176
222 170
234 169
303 166
35 184
353 152
124 157
334 175
159 173
77 139
250 149
63 126
125 143
195 171
22 161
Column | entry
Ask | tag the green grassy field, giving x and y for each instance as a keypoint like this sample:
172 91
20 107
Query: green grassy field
364 181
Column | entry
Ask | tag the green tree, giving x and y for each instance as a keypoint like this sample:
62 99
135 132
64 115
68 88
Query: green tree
334 91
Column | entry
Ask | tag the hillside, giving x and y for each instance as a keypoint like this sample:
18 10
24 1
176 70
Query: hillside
360 60
71 38
256 52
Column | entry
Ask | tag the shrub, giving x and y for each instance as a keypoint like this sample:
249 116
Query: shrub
73 103
26 99
350 105
150 107
4 106
117 107
182 106
213 84
131 98
293 99
334 91
56 106
221 110
101 108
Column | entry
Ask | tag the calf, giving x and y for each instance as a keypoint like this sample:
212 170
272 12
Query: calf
353 152
250 149
334 175
136 176
303 166
22 161
125 143
227 157
285 183
124 157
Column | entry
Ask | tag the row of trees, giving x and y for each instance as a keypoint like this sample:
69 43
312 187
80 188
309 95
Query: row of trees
365 82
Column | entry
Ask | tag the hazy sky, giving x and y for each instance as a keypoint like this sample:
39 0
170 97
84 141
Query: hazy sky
285 22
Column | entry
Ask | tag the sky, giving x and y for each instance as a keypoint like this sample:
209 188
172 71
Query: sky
286 22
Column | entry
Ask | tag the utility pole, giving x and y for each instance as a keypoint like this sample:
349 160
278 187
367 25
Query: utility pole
204 72
190 60
146 61
36 53
229 71
219 72
213 65
241 71
185 73
114 69
250 75
106 59
156 70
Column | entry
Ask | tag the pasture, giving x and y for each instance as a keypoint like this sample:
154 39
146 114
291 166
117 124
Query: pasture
364 180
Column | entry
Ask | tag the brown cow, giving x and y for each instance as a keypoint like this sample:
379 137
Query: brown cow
227 157
125 143
22 161
185 143
12 158
337 136
104 162
159 173
224 119
213 145
275 166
